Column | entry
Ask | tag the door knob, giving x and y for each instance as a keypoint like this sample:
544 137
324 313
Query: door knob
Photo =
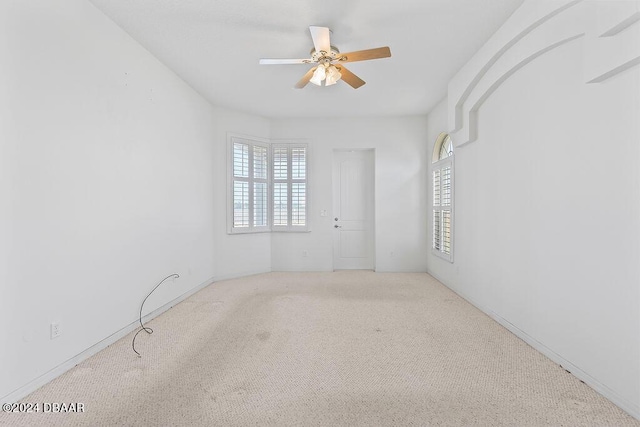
335 219
337 226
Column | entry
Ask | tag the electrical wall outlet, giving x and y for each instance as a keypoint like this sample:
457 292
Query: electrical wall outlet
55 330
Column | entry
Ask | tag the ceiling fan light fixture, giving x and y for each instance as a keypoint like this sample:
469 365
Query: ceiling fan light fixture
333 75
325 56
318 76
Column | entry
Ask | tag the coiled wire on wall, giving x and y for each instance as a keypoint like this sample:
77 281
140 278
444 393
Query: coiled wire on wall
146 328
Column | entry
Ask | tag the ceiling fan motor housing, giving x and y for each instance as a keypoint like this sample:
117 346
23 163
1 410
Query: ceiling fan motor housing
322 56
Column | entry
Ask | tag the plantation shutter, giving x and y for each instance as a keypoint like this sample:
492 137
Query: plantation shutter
250 185
290 170
260 190
268 185
442 207
240 185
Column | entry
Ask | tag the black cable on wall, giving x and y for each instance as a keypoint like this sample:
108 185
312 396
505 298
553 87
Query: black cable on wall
145 328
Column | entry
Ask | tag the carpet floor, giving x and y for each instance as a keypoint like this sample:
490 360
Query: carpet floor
323 349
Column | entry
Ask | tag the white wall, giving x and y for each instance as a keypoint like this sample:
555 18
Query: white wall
547 199
112 177
232 252
400 198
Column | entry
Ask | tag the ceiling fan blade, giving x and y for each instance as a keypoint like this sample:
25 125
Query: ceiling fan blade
284 61
305 79
321 38
350 78
365 55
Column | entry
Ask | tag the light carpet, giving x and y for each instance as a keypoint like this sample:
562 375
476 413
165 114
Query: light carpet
324 349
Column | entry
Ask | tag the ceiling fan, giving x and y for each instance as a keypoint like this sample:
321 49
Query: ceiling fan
329 61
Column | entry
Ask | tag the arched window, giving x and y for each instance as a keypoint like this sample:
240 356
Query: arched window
442 181
446 148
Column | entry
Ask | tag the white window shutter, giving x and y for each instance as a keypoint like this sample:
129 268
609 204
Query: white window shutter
442 181
290 187
249 185
268 185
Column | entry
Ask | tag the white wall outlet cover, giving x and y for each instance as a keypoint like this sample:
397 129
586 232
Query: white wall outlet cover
55 330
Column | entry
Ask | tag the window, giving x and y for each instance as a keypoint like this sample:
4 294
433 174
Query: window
249 185
268 186
290 187
442 180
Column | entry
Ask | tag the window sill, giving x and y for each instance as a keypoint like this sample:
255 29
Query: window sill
445 257
234 232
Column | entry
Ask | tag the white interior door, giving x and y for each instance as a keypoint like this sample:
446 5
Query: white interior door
353 210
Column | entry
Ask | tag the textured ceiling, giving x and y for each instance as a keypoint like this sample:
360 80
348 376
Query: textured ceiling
215 45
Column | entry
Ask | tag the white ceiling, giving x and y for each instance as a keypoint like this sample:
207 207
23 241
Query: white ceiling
215 45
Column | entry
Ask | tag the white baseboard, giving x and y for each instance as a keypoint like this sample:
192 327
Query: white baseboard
629 407
43 379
